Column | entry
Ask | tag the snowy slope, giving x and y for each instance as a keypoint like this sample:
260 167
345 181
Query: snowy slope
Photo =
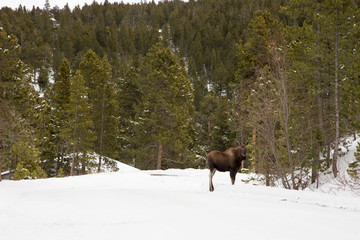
172 204
343 184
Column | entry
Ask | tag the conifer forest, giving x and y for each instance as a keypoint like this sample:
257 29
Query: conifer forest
159 85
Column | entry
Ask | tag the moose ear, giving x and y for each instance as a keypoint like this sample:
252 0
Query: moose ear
238 143
246 143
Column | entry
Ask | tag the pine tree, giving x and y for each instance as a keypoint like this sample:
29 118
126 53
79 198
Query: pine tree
47 6
66 34
109 118
204 119
97 75
59 99
163 115
341 19
60 173
354 167
48 144
129 96
213 124
79 132
18 100
221 134
27 157
307 63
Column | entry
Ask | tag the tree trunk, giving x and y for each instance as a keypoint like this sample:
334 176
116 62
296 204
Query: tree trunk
59 157
315 170
160 151
253 163
74 147
62 155
100 157
209 131
101 130
73 162
286 115
83 163
337 118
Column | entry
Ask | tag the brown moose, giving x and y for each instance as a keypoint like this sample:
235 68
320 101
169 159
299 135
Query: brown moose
230 160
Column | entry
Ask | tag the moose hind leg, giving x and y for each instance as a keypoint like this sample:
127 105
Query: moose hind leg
211 186
232 176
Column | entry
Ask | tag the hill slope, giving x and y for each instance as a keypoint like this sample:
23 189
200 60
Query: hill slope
343 184
172 204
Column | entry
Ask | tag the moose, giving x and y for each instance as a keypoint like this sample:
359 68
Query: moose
230 160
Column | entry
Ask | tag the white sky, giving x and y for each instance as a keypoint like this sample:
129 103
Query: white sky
60 3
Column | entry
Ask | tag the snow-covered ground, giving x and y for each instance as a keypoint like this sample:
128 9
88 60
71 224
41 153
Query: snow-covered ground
173 204
343 184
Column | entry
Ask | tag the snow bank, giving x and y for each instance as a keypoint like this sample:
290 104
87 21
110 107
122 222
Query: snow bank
343 184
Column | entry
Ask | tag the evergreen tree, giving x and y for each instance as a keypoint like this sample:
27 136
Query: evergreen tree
162 121
27 157
108 118
59 99
204 119
221 134
60 173
213 124
47 6
48 143
354 167
340 20
307 73
78 132
97 75
129 96
18 101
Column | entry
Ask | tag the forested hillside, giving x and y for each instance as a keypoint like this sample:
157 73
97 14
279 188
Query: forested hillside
160 85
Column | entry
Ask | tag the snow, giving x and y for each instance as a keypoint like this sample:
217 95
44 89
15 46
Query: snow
172 204
343 184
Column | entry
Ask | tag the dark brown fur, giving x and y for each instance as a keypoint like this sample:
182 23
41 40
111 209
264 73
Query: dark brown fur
228 161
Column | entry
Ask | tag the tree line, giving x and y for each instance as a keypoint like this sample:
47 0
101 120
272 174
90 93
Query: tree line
159 85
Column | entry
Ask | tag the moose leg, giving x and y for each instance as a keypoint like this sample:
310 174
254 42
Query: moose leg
232 176
212 172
